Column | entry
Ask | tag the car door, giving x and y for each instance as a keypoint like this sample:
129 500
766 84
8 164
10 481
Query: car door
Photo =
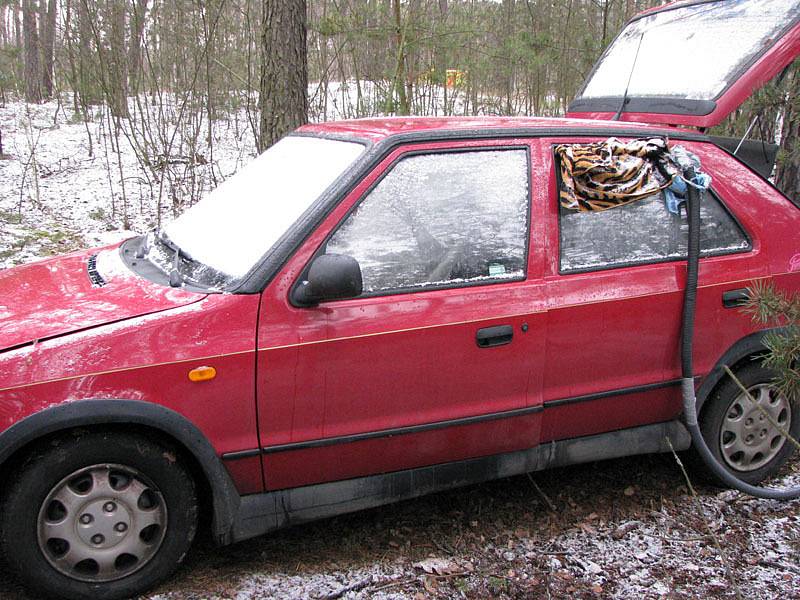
439 359
615 283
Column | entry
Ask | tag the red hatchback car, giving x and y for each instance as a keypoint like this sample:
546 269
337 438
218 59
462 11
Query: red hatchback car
377 309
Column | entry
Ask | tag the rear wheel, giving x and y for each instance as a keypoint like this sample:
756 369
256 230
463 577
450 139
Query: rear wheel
98 515
739 432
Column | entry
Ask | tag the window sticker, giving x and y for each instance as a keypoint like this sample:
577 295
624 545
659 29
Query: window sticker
496 270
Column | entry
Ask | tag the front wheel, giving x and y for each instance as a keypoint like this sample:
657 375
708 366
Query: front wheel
98 515
739 433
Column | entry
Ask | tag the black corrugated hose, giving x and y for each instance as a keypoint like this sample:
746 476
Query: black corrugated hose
694 197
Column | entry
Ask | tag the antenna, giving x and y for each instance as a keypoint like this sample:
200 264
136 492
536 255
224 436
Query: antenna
746 133
630 76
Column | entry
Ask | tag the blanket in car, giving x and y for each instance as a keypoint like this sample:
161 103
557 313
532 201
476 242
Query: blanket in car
602 175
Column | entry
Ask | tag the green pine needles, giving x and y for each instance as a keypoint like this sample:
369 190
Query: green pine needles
775 308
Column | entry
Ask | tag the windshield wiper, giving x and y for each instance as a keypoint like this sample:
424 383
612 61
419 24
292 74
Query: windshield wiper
628 85
143 247
176 278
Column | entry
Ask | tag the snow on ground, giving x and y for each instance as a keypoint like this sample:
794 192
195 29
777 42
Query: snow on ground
66 183
618 529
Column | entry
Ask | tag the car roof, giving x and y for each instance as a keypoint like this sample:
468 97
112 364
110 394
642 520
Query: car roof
379 129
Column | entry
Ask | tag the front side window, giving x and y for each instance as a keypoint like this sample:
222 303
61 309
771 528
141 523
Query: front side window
441 220
643 231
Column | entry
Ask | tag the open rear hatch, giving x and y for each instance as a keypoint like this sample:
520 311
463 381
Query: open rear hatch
691 63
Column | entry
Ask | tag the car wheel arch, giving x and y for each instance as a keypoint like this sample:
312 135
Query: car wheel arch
159 421
747 349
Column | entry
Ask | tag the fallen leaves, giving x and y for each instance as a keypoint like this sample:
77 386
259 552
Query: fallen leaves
623 529
438 566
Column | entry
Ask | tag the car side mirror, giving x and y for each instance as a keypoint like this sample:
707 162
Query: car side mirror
330 277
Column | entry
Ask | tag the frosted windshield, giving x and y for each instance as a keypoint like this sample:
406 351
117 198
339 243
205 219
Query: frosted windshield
692 52
232 228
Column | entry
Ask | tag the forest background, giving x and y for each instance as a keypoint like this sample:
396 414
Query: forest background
157 101
116 115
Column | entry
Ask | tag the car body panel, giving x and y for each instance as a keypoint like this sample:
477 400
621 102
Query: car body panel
148 358
56 296
632 316
422 364
415 129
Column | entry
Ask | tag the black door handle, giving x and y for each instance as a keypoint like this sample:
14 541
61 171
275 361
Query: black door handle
494 336
734 298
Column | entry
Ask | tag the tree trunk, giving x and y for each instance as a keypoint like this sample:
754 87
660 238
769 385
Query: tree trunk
48 26
33 73
440 57
135 44
15 7
284 70
508 31
87 55
606 11
787 174
118 69
629 9
402 107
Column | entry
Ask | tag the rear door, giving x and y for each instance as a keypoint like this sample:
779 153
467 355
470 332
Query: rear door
440 359
614 282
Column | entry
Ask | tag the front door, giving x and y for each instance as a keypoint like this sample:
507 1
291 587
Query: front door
439 359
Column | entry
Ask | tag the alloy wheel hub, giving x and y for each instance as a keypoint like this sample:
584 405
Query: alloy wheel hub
748 439
101 523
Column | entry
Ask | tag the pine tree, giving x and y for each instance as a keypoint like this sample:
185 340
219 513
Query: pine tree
771 307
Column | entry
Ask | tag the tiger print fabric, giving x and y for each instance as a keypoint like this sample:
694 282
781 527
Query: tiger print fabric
602 175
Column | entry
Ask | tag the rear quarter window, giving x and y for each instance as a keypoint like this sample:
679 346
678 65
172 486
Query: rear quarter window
643 232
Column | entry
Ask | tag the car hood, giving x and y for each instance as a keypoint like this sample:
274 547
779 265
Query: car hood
691 63
75 292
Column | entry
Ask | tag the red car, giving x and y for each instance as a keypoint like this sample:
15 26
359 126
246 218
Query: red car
378 309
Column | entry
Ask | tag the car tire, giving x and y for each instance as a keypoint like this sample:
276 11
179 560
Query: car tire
738 434
97 515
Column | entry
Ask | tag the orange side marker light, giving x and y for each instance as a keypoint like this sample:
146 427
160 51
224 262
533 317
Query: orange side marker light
202 374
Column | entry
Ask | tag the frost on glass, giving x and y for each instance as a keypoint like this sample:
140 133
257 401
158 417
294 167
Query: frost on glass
441 219
691 52
642 231
242 218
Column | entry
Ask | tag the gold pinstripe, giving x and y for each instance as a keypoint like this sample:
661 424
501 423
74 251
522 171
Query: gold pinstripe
352 337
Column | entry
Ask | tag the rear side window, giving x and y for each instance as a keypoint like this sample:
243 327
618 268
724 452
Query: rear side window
643 232
445 219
